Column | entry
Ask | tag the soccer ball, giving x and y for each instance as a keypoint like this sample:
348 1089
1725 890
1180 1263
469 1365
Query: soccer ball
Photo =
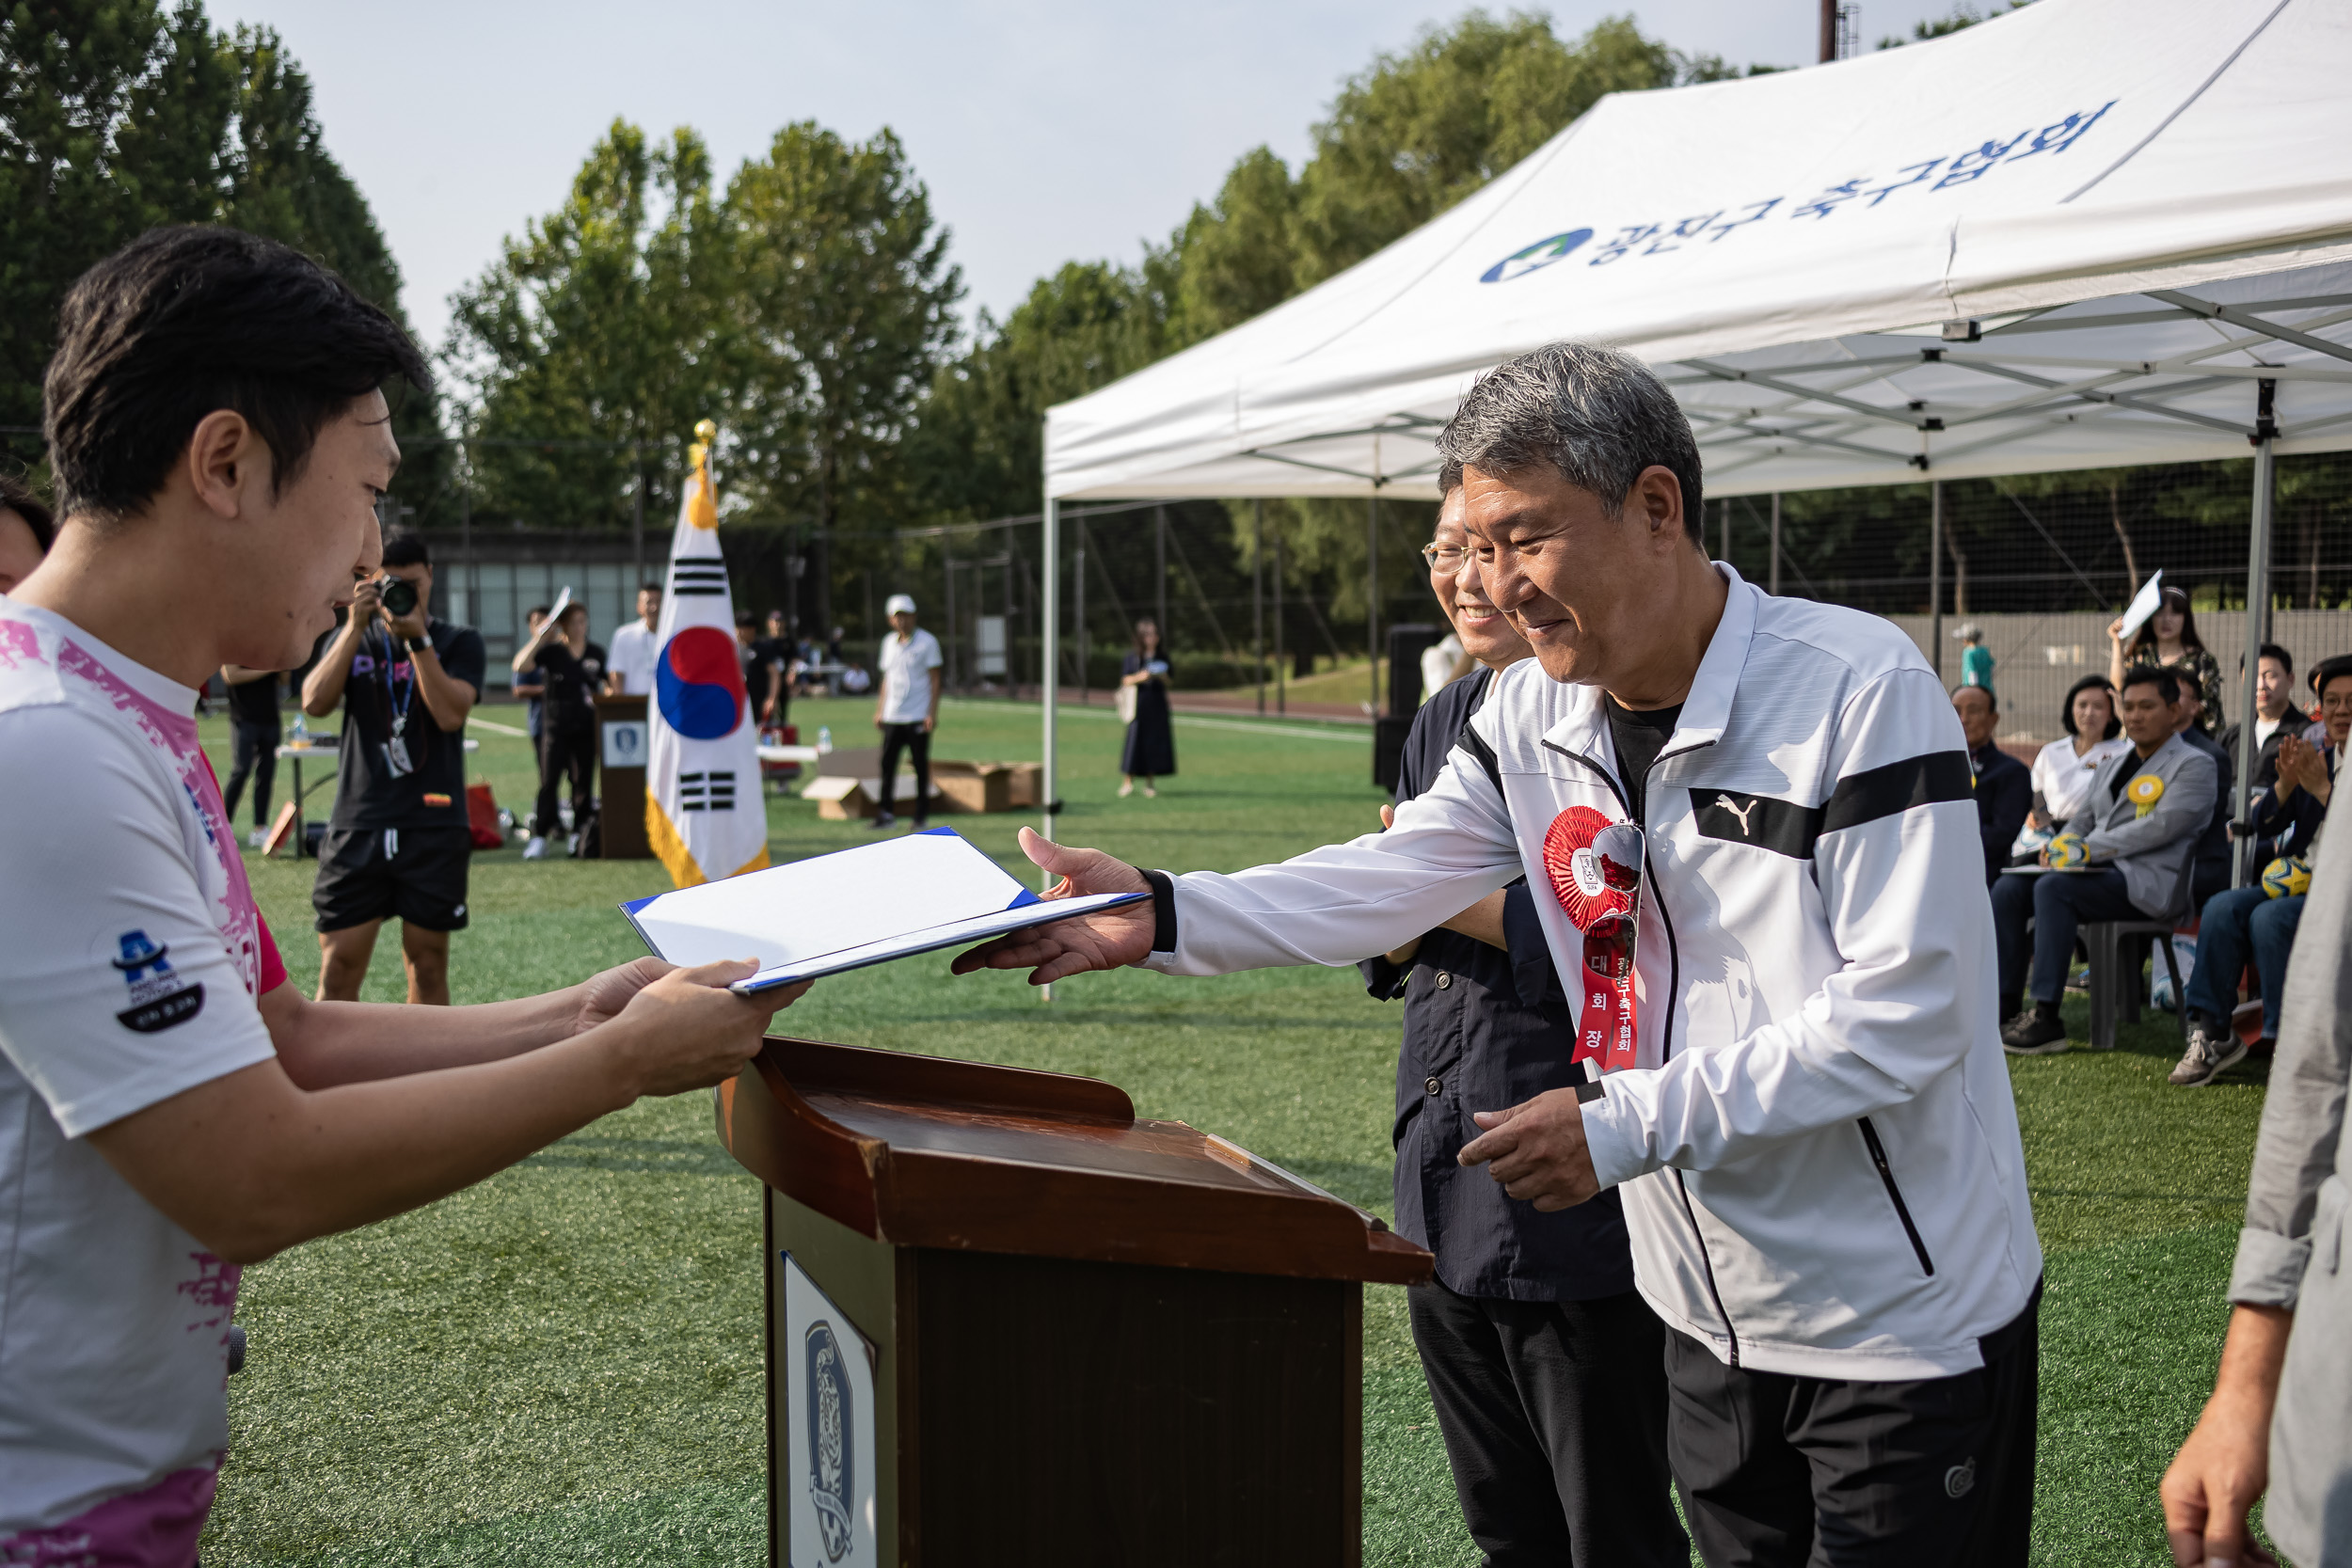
2288 877
2068 849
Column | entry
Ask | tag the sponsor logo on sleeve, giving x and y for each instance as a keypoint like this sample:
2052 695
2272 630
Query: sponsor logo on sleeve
159 996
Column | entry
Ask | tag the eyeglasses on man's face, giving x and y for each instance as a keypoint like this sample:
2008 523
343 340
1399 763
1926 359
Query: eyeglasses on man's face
1444 558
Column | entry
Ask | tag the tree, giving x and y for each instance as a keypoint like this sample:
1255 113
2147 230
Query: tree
595 332
1416 133
115 116
841 312
978 450
1236 257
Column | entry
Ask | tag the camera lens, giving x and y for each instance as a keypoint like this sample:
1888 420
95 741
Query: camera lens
399 597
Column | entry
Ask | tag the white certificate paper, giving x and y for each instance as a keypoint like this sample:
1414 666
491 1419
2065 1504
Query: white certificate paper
888 899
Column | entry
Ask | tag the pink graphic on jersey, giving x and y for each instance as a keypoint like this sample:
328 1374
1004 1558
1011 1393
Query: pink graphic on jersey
153 1528
174 735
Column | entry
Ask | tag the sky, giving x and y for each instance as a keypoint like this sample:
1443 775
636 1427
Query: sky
1047 131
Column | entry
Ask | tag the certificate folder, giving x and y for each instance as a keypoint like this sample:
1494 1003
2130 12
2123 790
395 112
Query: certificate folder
829 914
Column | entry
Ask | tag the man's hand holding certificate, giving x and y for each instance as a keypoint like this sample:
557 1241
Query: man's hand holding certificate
1110 938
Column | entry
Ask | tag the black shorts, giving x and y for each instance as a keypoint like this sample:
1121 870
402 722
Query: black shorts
418 878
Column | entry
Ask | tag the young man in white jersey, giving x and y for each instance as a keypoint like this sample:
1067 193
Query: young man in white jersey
170 1109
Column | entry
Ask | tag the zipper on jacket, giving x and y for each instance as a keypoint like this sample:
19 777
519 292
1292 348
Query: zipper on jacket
1666 1036
1895 1193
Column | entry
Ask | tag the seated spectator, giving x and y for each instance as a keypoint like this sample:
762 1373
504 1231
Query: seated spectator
2063 769
2215 871
2004 790
2275 715
2135 836
2248 919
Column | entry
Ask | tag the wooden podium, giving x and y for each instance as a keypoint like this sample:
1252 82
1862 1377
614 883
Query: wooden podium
623 736
1093 1339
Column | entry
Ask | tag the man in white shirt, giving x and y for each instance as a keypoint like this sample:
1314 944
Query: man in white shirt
170 1109
908 709
628 662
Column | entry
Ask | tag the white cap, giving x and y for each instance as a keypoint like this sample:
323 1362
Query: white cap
901 603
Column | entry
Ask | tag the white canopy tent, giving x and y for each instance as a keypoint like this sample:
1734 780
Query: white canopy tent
2086 233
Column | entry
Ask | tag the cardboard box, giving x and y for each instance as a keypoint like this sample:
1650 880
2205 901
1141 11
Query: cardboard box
846 799
986 786
840 799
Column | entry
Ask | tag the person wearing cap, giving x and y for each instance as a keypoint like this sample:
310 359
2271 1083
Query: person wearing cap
908 709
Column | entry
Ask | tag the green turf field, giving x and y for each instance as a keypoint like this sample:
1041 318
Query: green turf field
561 1366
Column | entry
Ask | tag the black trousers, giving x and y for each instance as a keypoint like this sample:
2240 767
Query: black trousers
254 755
916 740
565 748
1554 1419
1806 1472
2057 905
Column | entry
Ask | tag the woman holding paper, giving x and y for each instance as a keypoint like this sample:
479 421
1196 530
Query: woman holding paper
2167 638
1150 751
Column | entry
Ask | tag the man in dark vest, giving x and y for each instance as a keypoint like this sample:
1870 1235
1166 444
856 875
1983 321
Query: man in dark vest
1546 1367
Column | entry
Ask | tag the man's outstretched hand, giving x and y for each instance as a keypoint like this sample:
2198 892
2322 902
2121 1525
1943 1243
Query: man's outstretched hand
1536 1150
1107 938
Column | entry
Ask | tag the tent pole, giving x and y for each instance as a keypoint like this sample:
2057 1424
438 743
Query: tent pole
1257 596
1772 587
1936 578
2257 614
1281 669
1371 593
1049 659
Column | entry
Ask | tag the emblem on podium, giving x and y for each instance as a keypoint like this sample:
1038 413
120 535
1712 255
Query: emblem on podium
830 1402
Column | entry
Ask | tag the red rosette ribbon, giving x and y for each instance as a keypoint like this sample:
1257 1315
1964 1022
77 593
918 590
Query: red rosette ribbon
1596 870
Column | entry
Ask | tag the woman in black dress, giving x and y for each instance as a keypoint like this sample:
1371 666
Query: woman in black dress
1150 749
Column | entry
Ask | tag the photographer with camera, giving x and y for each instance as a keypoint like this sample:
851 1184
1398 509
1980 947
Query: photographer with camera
397 844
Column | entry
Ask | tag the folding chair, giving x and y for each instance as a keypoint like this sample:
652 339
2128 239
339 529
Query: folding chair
2114 945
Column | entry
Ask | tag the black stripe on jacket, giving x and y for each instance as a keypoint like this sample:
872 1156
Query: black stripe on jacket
1788 828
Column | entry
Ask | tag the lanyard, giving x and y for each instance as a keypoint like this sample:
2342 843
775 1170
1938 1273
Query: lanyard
400 698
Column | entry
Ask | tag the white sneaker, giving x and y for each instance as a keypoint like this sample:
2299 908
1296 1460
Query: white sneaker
536 849
258 837
2208 1056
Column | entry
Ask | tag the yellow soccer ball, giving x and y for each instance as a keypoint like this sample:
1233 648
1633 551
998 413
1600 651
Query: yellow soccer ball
2288 877
2068 849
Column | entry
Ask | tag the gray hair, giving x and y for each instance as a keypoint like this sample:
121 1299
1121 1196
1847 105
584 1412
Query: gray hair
1597 416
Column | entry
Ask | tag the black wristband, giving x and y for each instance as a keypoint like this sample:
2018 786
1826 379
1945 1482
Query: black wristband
418 645
1163 910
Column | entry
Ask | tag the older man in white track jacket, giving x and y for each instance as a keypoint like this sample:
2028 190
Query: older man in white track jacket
1809 1114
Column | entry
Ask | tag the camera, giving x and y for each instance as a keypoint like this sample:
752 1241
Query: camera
398 595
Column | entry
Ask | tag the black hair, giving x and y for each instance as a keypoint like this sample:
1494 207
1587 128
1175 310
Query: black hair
745 618
538 609
2090 683
652 588
575 608
183 321
2166 684
18 497
405 547
2272 650
2329 669
2144 645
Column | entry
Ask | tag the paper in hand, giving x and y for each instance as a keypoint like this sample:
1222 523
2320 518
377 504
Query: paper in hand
2143 604
829 914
